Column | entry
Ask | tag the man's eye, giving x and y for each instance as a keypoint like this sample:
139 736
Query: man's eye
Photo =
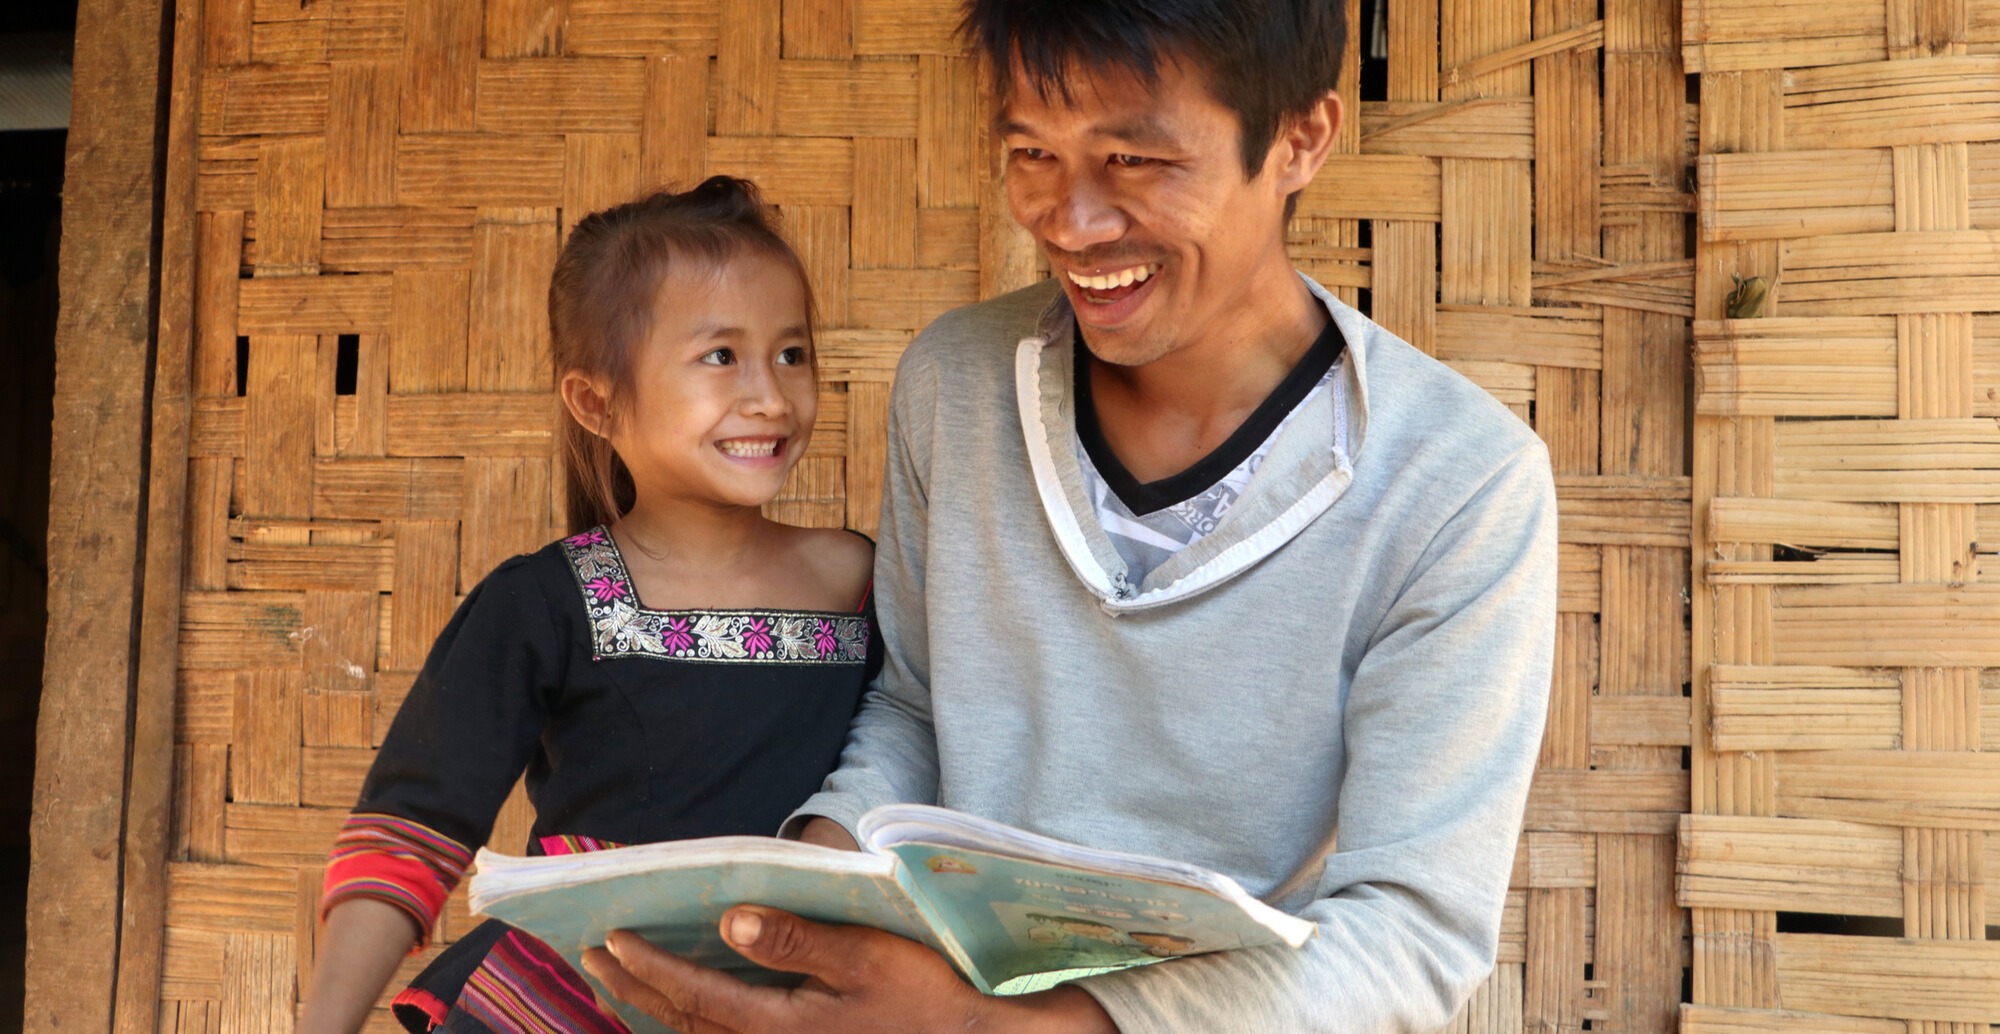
793 356
1128 161
1033 154
719 357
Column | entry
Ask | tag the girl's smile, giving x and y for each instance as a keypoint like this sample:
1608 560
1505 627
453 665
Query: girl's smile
754 452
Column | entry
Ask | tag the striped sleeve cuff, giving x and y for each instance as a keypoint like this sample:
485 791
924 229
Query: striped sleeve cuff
392 859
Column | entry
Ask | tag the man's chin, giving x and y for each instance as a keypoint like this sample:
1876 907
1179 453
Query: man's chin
1125 346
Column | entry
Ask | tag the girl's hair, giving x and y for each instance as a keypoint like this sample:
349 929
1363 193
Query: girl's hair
601 306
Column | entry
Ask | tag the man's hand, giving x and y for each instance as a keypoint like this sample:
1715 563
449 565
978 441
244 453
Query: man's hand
860 980
827 833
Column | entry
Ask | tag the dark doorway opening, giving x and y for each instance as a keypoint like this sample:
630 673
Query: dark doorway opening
35 46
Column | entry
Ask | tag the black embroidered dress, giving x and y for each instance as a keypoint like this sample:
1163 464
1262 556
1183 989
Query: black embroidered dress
632 726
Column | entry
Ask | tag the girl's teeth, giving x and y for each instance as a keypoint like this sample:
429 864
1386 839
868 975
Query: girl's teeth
750 449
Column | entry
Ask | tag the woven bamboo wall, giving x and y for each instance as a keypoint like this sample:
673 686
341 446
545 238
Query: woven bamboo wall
1845 462
382 185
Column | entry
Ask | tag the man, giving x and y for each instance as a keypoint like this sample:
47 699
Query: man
1180 555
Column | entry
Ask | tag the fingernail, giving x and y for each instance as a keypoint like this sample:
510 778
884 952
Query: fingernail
590 965
611 945
744 928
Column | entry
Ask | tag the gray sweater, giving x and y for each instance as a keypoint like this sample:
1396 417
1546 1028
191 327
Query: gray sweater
1362 648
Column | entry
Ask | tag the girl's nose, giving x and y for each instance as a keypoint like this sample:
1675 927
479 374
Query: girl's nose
760 393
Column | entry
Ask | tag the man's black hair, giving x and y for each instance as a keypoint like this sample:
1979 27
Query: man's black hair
1267 60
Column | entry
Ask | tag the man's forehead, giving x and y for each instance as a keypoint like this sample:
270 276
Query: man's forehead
1142 127
1116 103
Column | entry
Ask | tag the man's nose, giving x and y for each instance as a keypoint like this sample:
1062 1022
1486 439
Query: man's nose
1081 214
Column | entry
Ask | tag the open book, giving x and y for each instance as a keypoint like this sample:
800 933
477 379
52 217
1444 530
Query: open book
1012 910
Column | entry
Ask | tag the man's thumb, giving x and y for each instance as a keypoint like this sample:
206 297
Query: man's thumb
779 940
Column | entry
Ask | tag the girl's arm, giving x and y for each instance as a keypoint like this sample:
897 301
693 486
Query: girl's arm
459 742
362 943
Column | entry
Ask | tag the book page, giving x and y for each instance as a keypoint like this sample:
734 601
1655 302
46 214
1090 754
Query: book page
1030 911
673 894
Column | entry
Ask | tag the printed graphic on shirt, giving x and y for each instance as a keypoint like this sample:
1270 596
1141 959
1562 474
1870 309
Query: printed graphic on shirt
1145 542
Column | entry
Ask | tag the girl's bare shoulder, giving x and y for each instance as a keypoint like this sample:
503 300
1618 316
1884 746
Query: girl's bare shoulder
840 561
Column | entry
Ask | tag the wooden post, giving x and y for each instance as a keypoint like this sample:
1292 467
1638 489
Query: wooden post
104 345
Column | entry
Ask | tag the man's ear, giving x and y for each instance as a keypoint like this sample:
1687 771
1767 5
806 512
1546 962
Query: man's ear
1304 143
588 400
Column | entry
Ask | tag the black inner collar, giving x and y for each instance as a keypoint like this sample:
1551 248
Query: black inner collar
1152 496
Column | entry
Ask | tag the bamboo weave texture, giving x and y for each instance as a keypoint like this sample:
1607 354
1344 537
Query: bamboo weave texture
382 185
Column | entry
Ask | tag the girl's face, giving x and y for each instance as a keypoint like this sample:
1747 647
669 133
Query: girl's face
724 393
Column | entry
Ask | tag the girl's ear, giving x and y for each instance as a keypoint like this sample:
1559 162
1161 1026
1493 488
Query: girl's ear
588 400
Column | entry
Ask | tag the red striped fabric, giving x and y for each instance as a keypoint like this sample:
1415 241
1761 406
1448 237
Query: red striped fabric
392 859
524 987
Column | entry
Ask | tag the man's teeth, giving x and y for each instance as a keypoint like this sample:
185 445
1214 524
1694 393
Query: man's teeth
750 449
1121 278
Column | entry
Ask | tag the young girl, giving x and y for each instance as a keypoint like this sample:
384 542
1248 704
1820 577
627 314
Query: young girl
678 667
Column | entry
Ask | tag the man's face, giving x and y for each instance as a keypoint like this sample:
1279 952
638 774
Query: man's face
1139 199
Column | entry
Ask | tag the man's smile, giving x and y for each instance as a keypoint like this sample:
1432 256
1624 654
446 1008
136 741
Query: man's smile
1116 278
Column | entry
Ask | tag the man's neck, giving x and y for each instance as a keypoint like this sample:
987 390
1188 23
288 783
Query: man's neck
1162 417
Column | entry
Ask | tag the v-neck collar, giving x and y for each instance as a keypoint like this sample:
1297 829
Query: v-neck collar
1144 497
1308 468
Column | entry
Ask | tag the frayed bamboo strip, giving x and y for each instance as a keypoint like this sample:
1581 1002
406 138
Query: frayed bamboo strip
1498 127
1640 721
1795 194
1917 101
1790 865
1710 1019
1901 625
1736 35
1805 523
1827 569
371 240
873 98
1538 335
1603 801
642 27
1803 707
1784 366
910 27
573 95
1566 739
1375 186
1899 978
1582 37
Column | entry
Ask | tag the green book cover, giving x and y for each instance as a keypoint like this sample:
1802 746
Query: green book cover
1013 911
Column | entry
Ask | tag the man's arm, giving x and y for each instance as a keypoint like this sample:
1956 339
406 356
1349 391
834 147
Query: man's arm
891 753
1442 724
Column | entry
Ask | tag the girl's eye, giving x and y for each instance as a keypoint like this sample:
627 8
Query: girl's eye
719 357
1033 154
793 356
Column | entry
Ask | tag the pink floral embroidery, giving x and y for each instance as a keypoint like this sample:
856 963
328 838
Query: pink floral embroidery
607 588
676 637
621 627
757 637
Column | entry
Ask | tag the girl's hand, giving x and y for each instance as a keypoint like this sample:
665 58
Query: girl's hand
861 981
